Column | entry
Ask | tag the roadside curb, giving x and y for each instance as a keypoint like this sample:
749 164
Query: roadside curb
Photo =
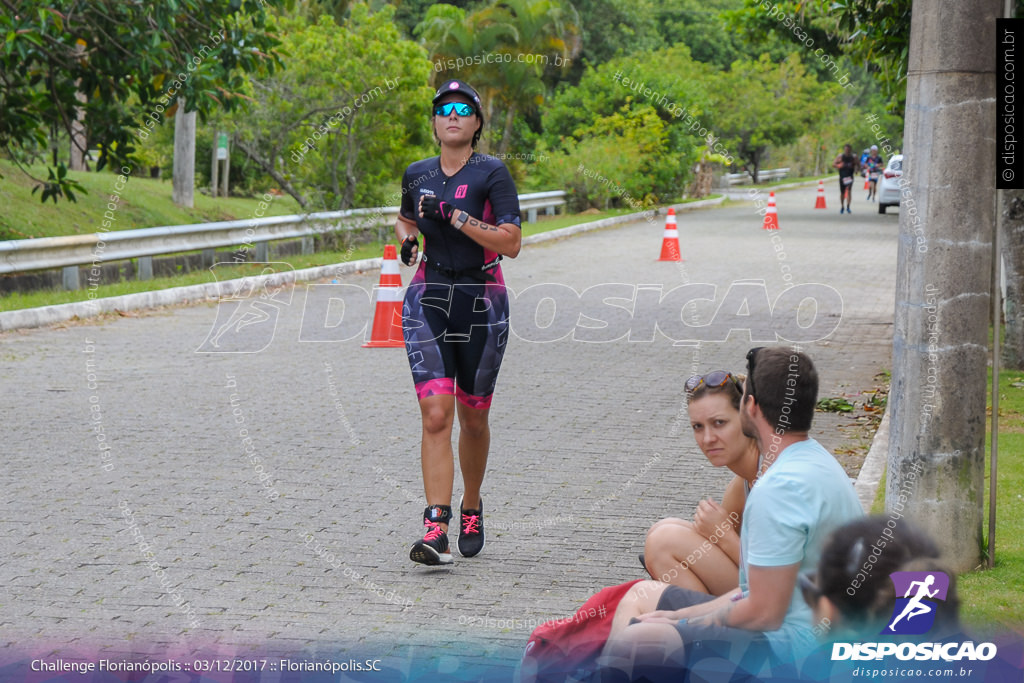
873 467
50 315
562 233
764 189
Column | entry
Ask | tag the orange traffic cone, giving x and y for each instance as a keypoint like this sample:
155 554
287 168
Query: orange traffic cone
771 215
387 318
819 203
670 243
867 183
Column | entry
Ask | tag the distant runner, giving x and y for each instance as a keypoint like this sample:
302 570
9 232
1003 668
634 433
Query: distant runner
455 315
846 163
873 165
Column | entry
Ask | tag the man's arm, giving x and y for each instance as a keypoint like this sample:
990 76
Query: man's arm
765 605
762 609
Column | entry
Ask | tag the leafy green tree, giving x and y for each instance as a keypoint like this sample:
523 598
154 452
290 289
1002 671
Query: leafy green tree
704 26
663 91
759 104
610 28
877 35
66 63
616 162
342 122
409 13
505 49
784 27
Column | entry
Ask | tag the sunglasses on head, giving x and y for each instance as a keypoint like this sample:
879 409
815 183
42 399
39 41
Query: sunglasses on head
461 108
715 378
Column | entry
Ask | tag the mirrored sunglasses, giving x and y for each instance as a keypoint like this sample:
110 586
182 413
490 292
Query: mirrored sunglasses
461 108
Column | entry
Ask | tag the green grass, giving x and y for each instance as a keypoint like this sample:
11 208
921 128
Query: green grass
146 202
143 203
990 598
52 297
803 179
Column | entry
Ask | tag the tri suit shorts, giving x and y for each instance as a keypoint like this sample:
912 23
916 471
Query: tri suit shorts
455 312
455 336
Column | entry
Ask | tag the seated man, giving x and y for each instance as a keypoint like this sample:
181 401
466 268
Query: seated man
790 511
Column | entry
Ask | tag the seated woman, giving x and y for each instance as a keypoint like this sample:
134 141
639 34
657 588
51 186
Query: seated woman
704 555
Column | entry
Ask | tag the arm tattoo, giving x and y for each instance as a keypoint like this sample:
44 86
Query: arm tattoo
480 224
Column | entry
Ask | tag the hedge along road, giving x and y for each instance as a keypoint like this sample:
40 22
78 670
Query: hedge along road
590 444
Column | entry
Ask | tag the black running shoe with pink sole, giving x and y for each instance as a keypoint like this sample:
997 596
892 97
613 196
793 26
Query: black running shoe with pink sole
433 548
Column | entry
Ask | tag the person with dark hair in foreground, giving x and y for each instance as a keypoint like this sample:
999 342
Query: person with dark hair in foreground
854 599
763 627
851 593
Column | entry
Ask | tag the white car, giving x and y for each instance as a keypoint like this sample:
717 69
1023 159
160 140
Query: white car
888 185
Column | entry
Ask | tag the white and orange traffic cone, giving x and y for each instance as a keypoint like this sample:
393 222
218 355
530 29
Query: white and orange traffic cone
387 318
670 243
771 215
819 203
867 183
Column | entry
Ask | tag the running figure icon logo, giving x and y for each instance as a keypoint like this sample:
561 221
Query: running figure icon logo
914 612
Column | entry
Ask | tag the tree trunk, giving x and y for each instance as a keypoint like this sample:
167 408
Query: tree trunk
936 470
184 176
506 134
351 156
79 140
703 181
268 167
1013 275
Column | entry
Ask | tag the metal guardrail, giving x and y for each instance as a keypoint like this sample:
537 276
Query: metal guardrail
762 175
70 252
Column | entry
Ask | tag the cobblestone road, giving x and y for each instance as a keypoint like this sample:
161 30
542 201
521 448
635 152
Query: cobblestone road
131 484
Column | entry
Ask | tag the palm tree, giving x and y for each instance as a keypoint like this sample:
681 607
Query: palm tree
508 46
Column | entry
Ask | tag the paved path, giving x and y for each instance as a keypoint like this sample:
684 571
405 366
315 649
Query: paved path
129 489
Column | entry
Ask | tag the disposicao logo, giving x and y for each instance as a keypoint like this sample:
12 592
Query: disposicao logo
914 613
917 597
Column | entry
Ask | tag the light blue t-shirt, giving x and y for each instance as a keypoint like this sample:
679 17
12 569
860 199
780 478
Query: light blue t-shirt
788 516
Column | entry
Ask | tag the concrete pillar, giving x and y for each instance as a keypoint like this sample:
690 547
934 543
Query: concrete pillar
944 265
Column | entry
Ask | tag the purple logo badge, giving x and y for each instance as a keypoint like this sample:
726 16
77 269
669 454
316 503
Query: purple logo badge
916 597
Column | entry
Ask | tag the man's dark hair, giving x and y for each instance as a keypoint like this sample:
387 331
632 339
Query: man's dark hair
785 385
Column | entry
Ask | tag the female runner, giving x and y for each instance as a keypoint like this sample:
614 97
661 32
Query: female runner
455 313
